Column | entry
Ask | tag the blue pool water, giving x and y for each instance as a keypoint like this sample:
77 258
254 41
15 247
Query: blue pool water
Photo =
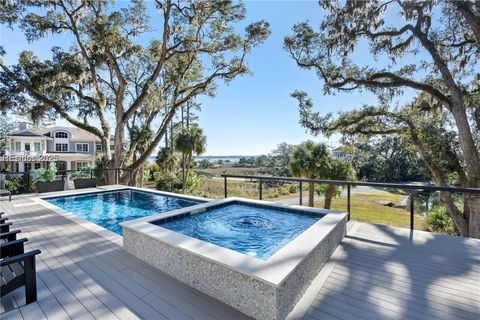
258 231
109 209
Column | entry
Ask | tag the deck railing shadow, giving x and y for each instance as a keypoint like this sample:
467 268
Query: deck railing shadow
400 280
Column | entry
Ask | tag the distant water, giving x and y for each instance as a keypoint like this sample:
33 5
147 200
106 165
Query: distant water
231 159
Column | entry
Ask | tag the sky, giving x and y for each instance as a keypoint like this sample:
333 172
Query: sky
254 113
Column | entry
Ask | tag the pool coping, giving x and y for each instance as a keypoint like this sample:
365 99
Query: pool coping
105 233
274 270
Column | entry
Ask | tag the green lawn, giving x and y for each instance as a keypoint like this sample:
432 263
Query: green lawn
365 207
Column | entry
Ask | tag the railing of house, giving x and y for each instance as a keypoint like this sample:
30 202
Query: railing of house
411 188
29 179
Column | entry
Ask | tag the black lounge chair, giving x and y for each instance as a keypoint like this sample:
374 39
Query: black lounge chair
5 227
6 192
3 220
17 269
9 236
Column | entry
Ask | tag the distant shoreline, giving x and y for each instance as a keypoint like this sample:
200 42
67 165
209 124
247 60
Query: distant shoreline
232 159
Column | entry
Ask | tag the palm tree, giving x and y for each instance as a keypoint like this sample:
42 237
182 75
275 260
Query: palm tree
166 159
306 162
313 161
189 141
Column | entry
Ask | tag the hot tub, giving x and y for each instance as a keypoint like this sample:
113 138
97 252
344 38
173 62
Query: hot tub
256 256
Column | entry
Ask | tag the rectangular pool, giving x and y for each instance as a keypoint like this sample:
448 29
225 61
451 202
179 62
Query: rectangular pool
109 208
258 257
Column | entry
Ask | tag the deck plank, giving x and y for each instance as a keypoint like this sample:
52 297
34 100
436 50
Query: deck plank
376 273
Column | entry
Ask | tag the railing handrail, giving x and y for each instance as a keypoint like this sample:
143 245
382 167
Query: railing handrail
358 183
411 187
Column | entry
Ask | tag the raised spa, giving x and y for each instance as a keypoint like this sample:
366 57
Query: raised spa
256 256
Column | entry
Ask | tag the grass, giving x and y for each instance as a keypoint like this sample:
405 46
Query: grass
365 207
230 170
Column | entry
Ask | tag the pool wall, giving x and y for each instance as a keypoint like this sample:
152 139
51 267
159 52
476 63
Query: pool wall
262 289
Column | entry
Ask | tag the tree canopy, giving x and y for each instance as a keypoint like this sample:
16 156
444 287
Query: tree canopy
431 48
129 66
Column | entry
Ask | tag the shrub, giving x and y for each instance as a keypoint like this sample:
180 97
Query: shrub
15 184
167 182
45 175
293 188
439 221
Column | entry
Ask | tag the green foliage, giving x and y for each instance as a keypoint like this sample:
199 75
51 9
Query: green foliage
6 127
291 188
16 184
308 160
321 190
439 221
45 175
151 170
191 141
387 159
205 164
166 159
313 161
85 172
168 182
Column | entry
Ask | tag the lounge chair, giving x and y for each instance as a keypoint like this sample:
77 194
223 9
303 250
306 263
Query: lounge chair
5 227
6 192
17 269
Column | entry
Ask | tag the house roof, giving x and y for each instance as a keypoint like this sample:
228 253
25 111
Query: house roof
76 134
26 133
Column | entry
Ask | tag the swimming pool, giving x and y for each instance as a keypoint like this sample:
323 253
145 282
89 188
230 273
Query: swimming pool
258 231
108 209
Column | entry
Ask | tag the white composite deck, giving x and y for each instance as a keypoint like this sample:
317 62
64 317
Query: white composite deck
376 273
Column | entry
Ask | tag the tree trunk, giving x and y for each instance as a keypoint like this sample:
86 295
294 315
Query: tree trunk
460 222
472 206
184 177
311 194
329 195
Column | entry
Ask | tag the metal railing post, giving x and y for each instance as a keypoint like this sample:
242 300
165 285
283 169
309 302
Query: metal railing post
348 202
260 182
412 209
28 182
225 186
300 200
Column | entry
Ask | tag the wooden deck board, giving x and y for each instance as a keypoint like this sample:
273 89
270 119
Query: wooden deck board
376 273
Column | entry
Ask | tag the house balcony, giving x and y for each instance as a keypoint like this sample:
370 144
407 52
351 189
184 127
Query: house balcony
24 153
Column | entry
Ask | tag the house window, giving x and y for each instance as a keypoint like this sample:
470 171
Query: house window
36 146
27 146
61 135
61 147
18 146
112 147
82 165
28 167
37 165
98 147
82 147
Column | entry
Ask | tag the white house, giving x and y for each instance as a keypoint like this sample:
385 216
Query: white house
341 153
69 148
